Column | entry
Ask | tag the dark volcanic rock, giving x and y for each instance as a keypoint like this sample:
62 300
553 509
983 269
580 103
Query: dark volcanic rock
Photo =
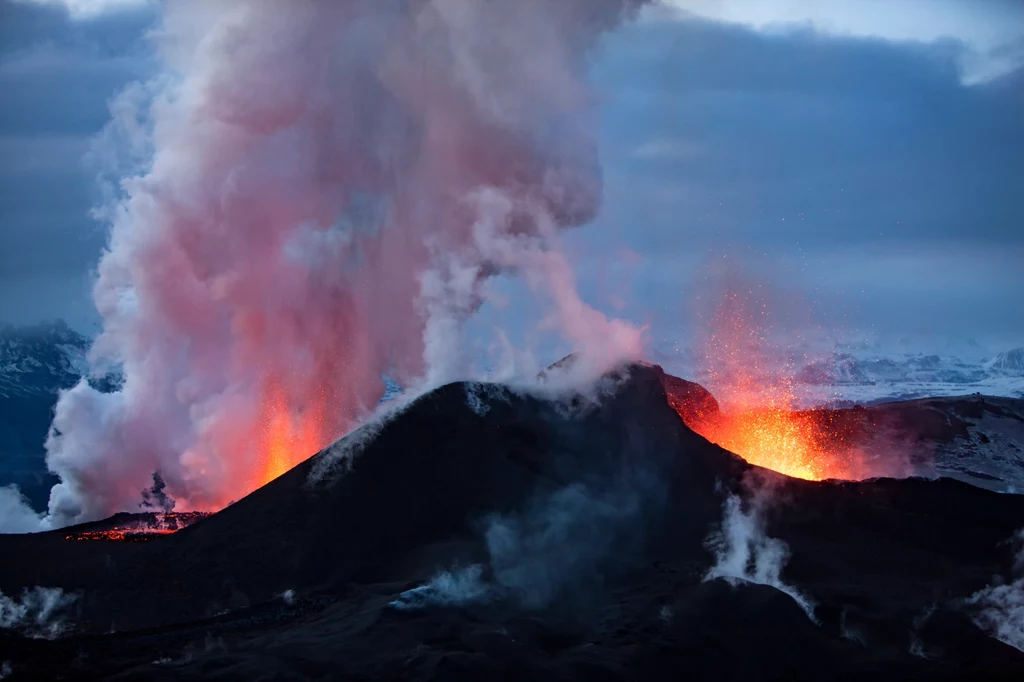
606 507
691 400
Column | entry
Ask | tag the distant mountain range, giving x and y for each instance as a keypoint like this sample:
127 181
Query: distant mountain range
866 376
1009 363
876 378
36 363
40 360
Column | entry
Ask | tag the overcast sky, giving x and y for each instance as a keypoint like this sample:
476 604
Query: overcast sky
865 157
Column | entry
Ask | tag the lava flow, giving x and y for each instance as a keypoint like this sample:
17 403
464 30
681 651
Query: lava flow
758 419
138 527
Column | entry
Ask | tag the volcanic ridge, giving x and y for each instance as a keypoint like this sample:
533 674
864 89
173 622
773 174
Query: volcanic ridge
482 532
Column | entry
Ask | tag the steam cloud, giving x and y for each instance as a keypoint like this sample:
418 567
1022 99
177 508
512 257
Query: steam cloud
559 542
999 609
744 553
36 613
321 191
16 515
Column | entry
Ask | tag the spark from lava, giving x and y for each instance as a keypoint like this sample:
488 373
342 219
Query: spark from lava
288 436
144 529
759 419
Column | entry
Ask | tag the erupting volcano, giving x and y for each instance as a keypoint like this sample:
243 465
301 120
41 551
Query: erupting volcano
812 445
759 419
288 436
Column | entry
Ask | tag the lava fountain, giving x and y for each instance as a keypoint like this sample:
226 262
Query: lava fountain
751 377
288 436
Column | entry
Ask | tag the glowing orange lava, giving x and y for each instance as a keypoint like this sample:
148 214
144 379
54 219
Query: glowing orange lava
758 419
141 528
289 435
806 445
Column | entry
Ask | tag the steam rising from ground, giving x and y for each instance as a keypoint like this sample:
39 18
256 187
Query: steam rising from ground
37 613
559 543
999 609
321 191
744 553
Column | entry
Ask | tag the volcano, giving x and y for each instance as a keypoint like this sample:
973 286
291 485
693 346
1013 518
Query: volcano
487 533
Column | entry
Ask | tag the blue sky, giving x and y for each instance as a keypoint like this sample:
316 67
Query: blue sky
864 158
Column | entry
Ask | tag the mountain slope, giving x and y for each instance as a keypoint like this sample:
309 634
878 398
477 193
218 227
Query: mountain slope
588 525
1009 362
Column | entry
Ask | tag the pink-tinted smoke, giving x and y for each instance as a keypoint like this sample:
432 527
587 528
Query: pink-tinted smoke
330 183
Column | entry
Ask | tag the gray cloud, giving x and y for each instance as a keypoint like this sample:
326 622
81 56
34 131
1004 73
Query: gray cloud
58 76
863 169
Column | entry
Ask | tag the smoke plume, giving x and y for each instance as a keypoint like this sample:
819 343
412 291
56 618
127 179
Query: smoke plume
324 189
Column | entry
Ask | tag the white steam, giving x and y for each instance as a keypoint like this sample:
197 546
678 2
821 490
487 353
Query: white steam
559 543
16 514
315 193
37 613
744 553
457 587
999 609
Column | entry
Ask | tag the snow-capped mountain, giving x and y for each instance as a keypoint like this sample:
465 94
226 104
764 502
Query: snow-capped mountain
848 377
864 375
1009 363
36 363
845 368
40 360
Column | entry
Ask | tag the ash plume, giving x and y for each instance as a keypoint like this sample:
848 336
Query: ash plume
155 498
318 192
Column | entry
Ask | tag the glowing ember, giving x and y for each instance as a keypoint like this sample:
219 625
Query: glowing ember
758 420
805 445
289 435
119 535
140 528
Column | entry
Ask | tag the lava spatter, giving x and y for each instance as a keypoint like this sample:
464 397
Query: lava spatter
758 417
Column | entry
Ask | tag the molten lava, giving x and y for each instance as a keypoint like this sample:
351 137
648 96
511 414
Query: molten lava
289 435
138 527
812 445
758 419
